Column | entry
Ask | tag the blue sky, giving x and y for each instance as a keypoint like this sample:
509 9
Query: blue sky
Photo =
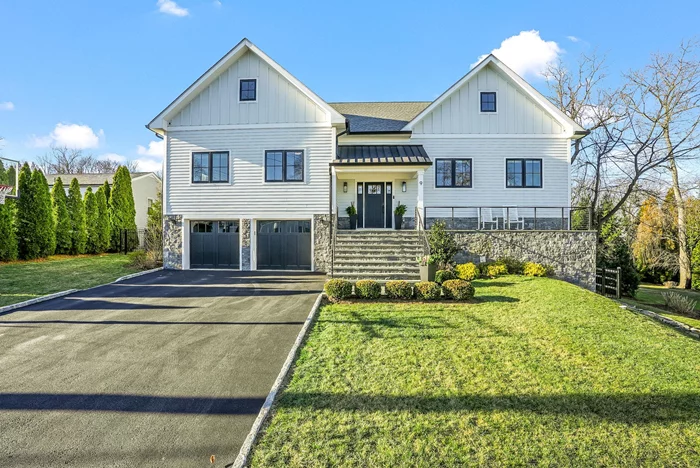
92 74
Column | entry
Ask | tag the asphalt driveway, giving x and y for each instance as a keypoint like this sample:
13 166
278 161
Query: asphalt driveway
165 369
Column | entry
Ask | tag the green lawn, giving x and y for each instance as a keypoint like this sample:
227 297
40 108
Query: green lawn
20 281
536 372
649 297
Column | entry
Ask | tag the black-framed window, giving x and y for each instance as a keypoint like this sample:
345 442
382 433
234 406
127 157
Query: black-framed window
453 173
488 101
524 173
284 166
210 167
248 90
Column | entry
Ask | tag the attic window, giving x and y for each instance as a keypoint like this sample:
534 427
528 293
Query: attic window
248 90
488 102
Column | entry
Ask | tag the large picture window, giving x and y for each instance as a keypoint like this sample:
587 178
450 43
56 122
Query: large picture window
453 173
284 166
523 173
210 167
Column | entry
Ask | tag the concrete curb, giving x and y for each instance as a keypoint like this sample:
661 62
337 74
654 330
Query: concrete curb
247 446
682 327
134 275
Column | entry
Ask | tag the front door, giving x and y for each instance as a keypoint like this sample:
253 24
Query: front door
374 205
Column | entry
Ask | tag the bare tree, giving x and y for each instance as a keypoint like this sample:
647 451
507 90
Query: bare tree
64 160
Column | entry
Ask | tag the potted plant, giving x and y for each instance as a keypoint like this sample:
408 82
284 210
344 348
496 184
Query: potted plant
399 211
428 267
352 213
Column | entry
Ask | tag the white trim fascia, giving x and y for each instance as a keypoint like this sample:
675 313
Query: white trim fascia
249 126
165 185
465 136
161 120
380 169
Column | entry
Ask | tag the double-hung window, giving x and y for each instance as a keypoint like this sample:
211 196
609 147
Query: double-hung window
488 101
210 167
284 166
523 173
453 173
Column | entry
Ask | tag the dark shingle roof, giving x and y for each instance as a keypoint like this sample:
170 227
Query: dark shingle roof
381 154
379 116
88 179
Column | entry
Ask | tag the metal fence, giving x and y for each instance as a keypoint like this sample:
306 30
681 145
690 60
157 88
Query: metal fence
528 218
607 282
133 239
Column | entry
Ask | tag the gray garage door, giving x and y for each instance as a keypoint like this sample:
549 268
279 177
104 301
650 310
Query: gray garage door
284 245
214 244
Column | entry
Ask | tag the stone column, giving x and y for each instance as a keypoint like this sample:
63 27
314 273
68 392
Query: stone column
246 233
172 242
322 243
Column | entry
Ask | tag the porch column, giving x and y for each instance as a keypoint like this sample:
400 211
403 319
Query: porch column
419 200
334 188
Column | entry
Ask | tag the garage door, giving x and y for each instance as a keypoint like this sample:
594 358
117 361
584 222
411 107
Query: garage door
284 245
214 244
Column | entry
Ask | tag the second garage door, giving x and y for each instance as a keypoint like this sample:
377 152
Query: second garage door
284 245
214 244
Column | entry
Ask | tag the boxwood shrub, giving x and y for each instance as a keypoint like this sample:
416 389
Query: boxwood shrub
496 269
467 271
457 289
444 275
338 289
514 266
368 289
427 290
398 289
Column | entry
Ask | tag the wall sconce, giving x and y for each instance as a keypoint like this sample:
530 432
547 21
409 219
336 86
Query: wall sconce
403 186
345 187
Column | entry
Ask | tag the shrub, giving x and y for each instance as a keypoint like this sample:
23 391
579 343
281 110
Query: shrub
122 213
368 289
513 265
443 246
496 269
444 275
427 290
398 289
458 289
467 271
143 260
338 289
63 222
76 212
679 303
483 269
535 269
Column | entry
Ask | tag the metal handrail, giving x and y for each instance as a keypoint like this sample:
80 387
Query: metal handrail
564 213
420 226
334 229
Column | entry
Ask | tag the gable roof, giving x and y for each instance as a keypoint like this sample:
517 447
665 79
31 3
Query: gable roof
160 121
568 123
378 117
93 179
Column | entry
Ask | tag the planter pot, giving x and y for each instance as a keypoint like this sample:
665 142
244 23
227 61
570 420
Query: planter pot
398 221
353 221
427 272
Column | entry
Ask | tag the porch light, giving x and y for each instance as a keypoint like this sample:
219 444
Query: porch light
403 186
345 187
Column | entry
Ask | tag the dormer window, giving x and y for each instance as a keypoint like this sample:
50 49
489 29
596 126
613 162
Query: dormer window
248 90
488 102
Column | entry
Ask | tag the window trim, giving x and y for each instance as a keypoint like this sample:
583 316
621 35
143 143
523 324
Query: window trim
453 165
211 168
284 166
495 101
523 168
247 101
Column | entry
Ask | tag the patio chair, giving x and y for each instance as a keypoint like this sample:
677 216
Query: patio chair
487 218
510 216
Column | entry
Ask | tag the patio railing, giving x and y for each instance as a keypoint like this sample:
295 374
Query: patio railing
529 218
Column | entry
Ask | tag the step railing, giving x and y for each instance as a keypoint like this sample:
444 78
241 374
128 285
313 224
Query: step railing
423 236
334 235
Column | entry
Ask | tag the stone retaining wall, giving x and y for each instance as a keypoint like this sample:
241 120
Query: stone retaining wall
572 254
172 242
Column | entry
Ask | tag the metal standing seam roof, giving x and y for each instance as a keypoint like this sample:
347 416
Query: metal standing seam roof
382 155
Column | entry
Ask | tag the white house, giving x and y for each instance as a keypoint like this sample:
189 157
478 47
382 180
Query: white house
144 185
258 166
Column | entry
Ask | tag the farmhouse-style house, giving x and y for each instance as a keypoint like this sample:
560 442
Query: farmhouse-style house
260 170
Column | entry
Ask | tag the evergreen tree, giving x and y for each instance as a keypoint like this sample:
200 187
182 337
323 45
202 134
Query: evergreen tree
60 213
614 251
43 213
103 219
122 212
76 212
27 245
3 174
92 215
11 176
108 191
8 236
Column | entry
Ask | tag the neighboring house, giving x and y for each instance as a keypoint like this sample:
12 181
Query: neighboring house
258 166
144 185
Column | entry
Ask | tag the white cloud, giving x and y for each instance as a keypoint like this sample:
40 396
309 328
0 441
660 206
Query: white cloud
155 148
70 135
169 7
217 3
152 156
148 165
112 157
527 53
573 38
7 106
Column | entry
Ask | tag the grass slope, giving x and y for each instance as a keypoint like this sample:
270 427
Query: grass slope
537 372
20 281
649 297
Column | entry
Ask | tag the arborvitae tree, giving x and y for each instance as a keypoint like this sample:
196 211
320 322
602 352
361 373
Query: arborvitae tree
121 208
108 191
8 236
11 176
27 245
45 223
3 174
103 219
92 215
76 212
60 213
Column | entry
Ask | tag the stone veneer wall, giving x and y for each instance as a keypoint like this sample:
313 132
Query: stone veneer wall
245 228
571 253
322 243
172 242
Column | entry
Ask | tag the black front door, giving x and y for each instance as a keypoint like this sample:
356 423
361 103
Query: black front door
374 205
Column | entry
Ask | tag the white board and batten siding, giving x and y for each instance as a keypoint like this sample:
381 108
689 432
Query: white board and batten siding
278 100
247 195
